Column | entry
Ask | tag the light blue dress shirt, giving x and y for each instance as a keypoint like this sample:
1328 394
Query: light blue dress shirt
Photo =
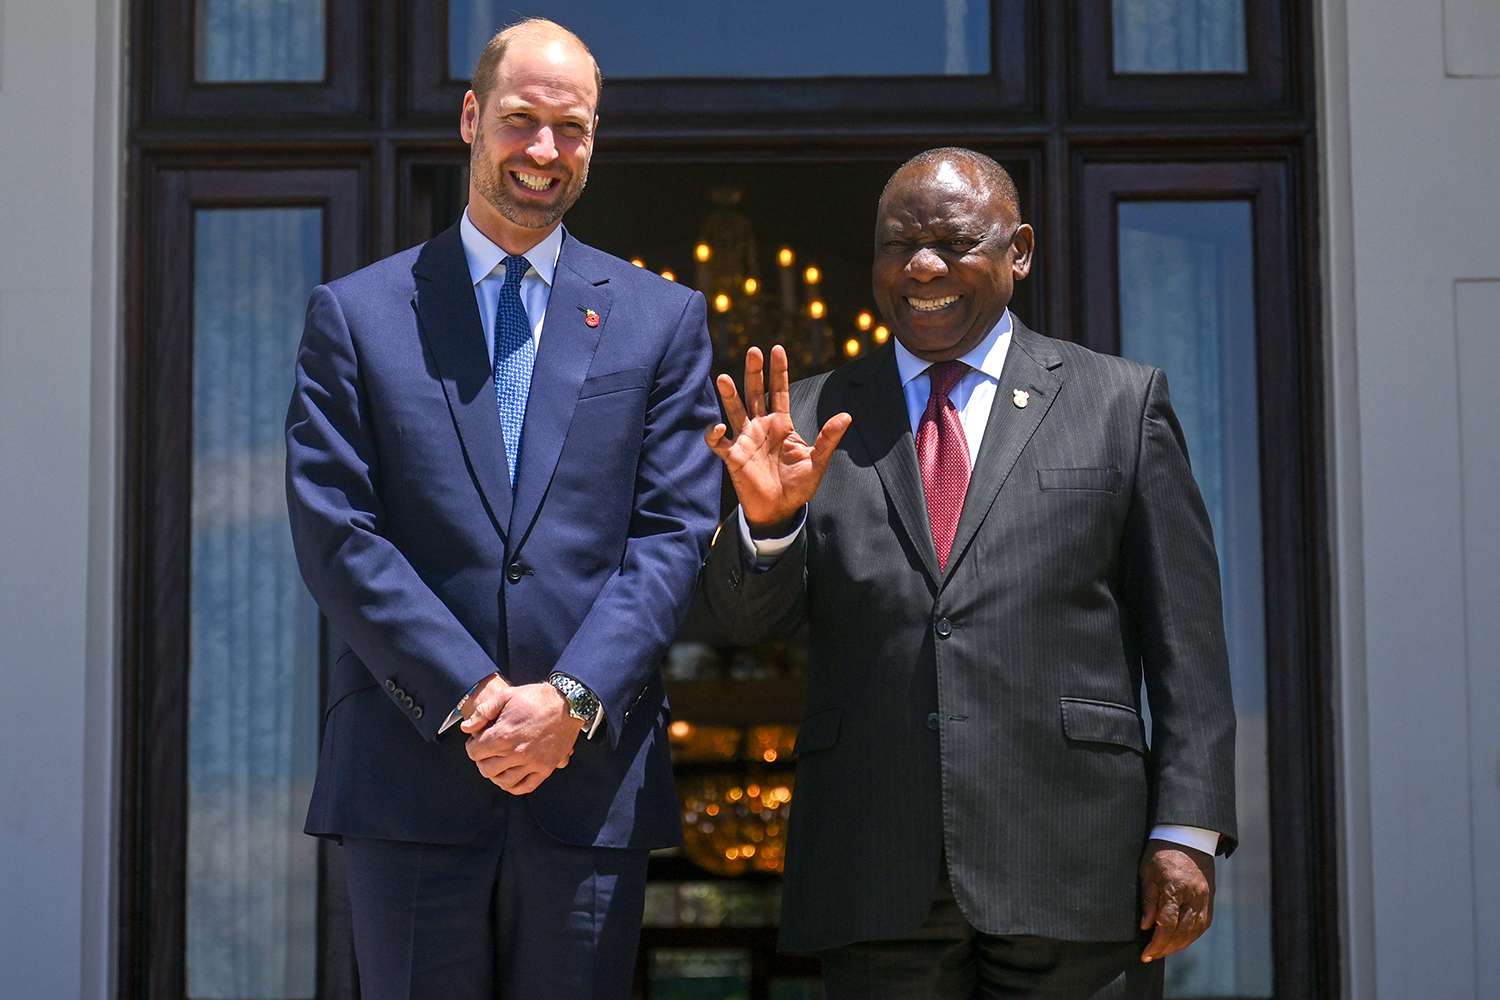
487 271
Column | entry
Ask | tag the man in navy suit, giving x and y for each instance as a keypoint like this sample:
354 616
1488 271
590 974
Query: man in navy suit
498 502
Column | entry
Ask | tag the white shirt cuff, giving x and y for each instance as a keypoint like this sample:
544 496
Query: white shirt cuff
593 728
1195 837
454 717
767 550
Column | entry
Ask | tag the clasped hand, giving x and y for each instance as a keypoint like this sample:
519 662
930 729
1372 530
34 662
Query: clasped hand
774 470
519 735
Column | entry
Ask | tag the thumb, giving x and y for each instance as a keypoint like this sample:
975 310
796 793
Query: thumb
1149 895
829 438
487 709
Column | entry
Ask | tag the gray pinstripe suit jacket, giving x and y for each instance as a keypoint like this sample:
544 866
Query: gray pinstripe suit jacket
992 712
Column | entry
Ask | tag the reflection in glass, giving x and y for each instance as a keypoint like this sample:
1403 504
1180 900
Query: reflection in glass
1187 306
1179 36
751 39
253 672
242 41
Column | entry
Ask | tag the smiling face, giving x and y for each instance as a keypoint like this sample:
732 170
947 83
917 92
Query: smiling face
948 251
530 140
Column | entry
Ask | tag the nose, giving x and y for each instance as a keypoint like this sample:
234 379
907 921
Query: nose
926 265
543 149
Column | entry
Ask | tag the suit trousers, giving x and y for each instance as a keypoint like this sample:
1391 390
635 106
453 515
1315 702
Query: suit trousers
514 914
947 959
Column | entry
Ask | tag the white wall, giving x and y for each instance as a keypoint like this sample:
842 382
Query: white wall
1411 134
60 113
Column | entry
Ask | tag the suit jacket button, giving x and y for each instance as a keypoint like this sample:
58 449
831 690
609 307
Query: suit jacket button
944 628
932 721
416 713
514 572
390 685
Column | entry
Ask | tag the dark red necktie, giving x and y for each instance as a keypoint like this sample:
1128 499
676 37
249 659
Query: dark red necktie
943 455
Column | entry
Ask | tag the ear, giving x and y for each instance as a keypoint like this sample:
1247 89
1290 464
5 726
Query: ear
468 118
1021 248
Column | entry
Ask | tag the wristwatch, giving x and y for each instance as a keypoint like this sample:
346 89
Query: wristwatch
582 705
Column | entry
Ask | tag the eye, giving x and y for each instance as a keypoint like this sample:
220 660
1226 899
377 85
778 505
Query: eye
519 119
573 130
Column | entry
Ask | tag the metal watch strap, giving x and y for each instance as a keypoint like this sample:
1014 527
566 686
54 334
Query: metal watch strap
582 704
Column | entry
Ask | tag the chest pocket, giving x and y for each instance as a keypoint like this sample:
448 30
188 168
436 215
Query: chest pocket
1097 480
624 380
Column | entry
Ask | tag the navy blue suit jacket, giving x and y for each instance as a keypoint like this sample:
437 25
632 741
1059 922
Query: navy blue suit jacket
434 575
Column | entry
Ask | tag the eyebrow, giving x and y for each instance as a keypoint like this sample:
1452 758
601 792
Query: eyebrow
937 230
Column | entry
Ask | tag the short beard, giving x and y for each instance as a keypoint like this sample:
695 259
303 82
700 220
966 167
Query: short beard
489 181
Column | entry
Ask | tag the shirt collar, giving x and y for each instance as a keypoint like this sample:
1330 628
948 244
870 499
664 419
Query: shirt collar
987 356
484 256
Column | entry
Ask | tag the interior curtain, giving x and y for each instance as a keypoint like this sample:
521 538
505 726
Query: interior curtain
1179 36
1186 293
261 40
253 674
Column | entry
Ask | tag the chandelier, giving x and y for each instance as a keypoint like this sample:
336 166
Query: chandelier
736 787
752 309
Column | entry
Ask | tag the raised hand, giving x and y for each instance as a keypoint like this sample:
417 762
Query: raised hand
775 471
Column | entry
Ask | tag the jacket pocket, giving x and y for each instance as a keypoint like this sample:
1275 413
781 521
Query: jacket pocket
819 731
1093 480
348 676
1087 721
620 381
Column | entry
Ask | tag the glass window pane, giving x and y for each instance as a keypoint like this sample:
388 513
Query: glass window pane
253 673
723 903
692 974
240 41
1187 306
744 216
1179 36
751 39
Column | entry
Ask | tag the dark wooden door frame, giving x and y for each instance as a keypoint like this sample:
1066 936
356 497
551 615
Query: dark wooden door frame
155 681
1288 369
364 121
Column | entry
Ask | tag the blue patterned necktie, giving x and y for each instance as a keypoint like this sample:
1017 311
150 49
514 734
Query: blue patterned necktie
515 355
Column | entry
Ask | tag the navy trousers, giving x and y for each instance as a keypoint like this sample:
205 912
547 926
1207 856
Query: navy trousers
515 914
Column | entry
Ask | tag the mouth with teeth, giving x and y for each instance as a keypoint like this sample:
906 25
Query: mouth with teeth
533 182
931 305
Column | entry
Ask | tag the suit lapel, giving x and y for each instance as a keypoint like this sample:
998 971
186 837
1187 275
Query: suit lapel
450 326
1032 365
879 412
562 361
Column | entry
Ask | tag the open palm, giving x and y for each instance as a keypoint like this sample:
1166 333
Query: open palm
775 471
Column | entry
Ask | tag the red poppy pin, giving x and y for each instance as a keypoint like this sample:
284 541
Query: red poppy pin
590 317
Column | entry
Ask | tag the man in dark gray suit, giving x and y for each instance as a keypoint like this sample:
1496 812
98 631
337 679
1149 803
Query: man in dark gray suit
1006 545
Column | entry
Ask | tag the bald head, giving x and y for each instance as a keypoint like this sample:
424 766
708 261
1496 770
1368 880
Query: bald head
534 31
974 168
949 247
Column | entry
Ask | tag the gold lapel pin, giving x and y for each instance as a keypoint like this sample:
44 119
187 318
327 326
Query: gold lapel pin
590 317
1020 397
